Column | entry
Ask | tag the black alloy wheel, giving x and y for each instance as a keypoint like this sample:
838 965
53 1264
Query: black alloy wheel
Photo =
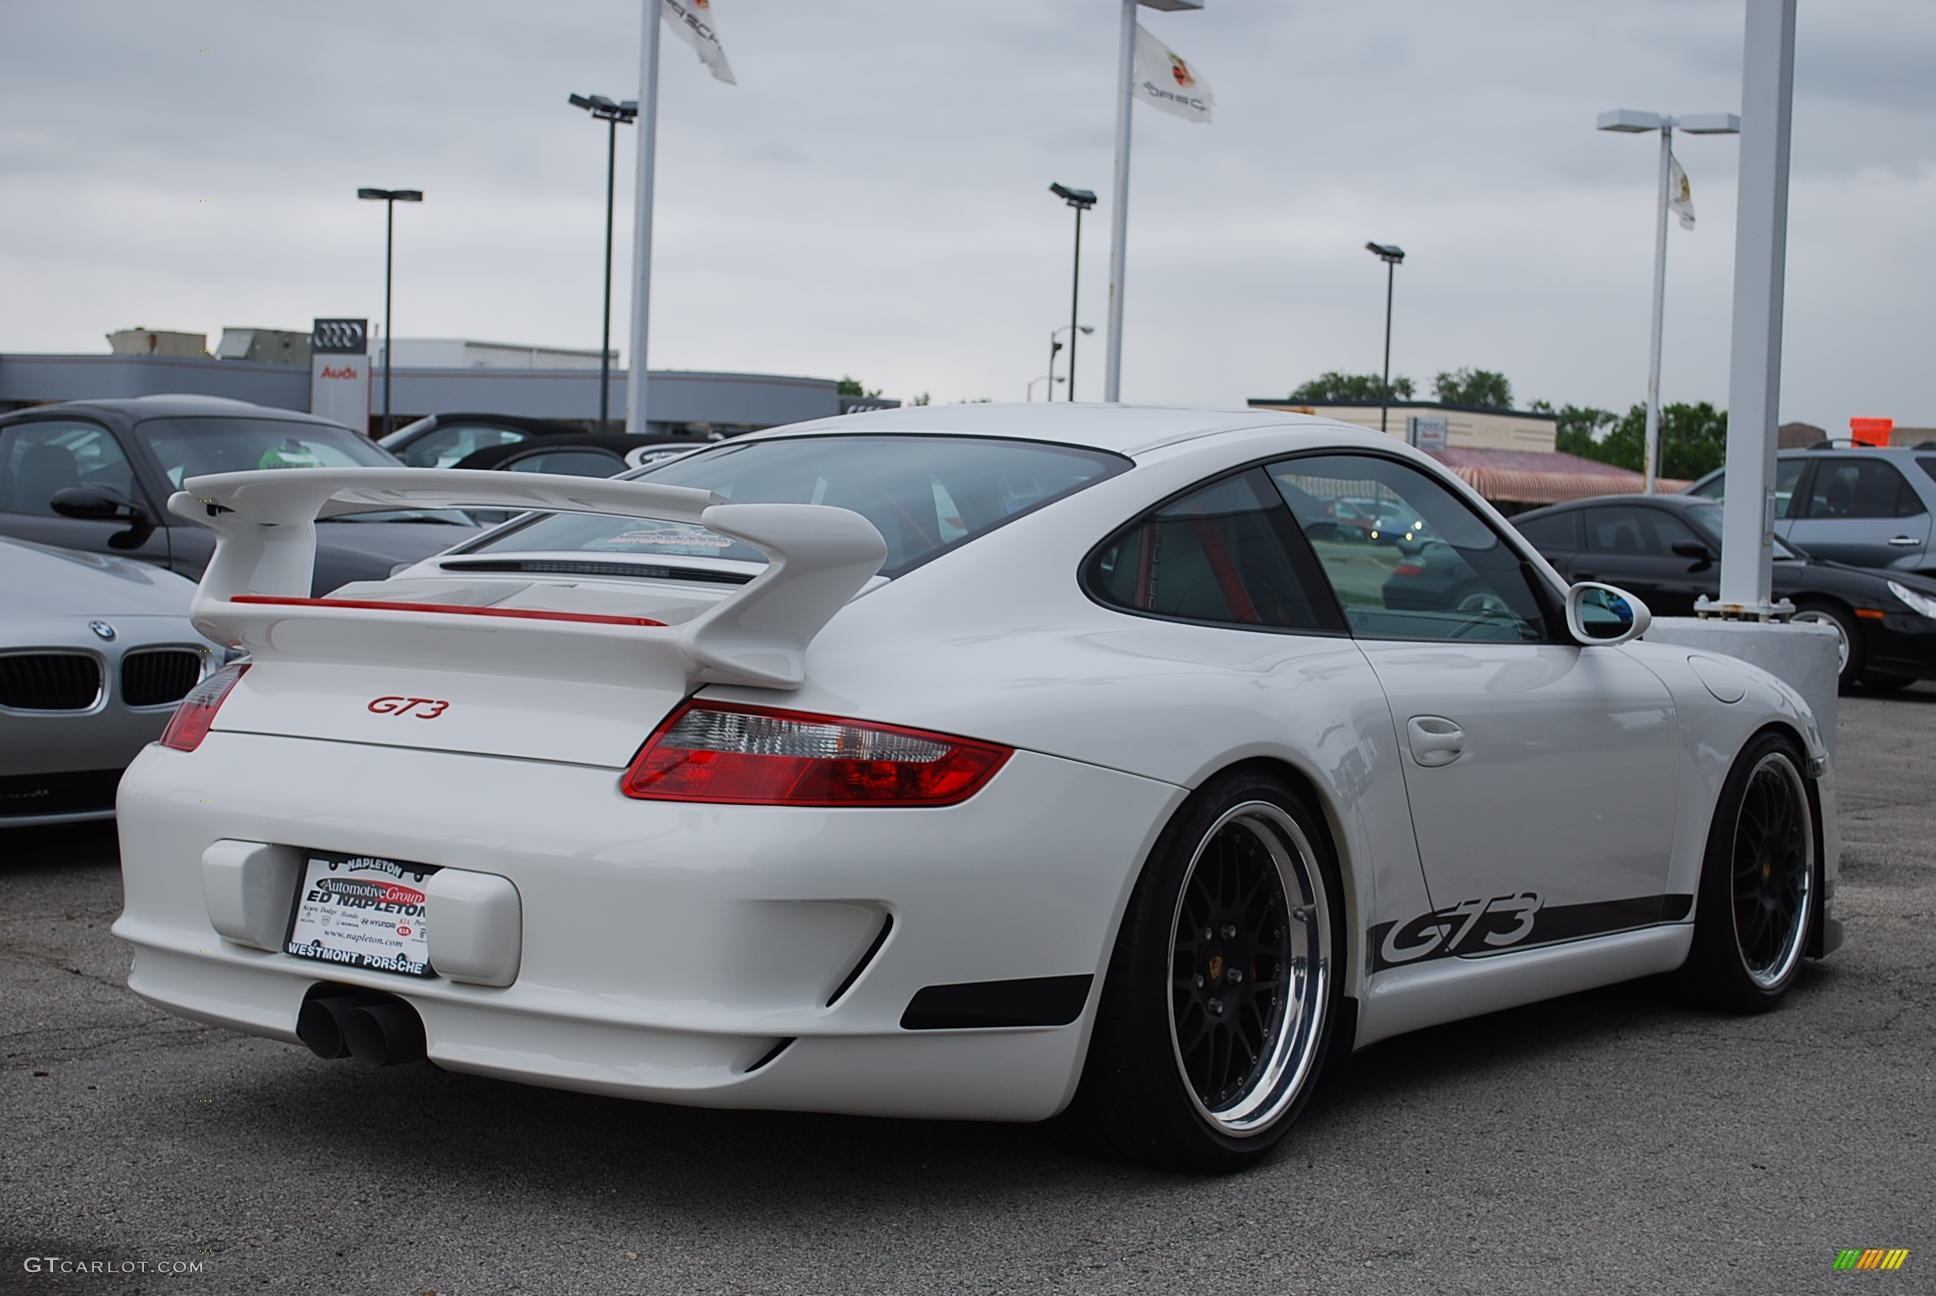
1221 995
1758 882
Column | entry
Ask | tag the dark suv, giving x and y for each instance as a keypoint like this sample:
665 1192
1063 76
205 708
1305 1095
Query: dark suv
1867 506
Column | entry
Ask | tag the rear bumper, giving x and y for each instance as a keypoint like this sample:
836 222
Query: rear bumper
708 955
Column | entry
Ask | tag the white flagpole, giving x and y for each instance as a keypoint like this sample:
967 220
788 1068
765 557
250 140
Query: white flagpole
635 395
1112 383
1650 452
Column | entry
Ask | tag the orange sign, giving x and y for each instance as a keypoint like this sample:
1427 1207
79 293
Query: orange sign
1871 431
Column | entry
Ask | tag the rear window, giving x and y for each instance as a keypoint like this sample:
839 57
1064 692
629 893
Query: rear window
924 494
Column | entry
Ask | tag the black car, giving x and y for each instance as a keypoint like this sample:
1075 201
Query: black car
96 475
1667 549
441 440
577 456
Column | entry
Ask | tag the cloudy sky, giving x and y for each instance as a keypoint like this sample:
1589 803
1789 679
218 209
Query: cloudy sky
872 198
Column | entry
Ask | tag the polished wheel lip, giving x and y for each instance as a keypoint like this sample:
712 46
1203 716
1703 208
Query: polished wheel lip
1775 797
1298 1019
1841 635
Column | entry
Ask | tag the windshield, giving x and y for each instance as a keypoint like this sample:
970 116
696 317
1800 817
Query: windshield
1707 519
191 447
925 494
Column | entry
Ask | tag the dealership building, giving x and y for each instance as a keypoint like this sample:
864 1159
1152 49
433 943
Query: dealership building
335 371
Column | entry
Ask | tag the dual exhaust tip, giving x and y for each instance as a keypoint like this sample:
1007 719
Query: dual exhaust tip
372 1027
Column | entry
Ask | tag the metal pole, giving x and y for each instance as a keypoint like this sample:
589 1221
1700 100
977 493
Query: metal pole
1075 285
389 341
1384 384
1112 383
1754 362
635 398
605 339
1650 461
1053 348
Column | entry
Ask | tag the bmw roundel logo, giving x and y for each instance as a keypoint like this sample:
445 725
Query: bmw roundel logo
101 629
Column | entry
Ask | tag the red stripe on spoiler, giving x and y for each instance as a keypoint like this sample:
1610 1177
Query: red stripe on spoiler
458 609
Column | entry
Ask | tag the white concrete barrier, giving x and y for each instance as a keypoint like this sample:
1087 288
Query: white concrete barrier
1799 653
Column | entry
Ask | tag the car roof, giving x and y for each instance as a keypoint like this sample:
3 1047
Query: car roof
133 409
1124 429
1679 503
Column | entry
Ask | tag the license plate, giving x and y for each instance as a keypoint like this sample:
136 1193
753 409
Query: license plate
361 912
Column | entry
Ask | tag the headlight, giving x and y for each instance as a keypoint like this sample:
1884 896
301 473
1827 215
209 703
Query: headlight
1922 603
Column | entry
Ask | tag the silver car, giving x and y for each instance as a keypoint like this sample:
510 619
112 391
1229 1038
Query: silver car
95 652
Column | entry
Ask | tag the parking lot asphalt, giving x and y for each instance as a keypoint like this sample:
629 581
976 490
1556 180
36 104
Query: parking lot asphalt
1615 1141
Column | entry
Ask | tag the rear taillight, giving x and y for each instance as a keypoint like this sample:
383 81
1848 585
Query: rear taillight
1408 569
760 756
191 721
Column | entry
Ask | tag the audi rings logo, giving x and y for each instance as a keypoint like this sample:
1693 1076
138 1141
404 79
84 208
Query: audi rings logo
340 337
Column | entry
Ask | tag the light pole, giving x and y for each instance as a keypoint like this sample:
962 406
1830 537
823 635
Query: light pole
614 115
1050 379
390 199
1055 346
1082 200
1393 256
1629 122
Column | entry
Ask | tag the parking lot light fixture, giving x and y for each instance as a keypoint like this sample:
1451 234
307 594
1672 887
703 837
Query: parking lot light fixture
614 113
389 198
1055 345
1082 200
1393 256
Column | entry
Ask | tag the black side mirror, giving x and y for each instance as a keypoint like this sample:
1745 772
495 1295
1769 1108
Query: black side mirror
105 504
1694 549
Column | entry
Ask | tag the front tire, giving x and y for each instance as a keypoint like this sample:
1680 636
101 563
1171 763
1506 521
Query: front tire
1758 882
1849 654
1222 992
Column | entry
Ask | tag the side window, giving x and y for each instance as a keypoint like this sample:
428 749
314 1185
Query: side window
37 459
452 442
1928 465
1226 554
1638 532
572 463
1861 488
1455 579
1555 533
1787 473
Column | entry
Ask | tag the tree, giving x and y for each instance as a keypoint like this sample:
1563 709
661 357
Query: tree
1345 388
1693 438
851 387
1581 428
1480 388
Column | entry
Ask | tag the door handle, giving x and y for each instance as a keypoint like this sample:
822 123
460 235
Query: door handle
1910 542
1435 741
1585 575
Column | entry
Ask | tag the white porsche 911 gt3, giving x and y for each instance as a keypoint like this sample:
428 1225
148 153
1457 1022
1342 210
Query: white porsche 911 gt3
968 762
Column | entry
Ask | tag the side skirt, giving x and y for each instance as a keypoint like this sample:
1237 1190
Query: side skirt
1443 990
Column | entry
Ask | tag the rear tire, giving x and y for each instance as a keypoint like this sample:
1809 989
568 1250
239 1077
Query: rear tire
1759 882
1222 994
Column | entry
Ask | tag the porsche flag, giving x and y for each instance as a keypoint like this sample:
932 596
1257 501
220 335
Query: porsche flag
693 21
1680 194
1164 80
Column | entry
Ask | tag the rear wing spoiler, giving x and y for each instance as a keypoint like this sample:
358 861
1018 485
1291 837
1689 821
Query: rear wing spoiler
818 556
